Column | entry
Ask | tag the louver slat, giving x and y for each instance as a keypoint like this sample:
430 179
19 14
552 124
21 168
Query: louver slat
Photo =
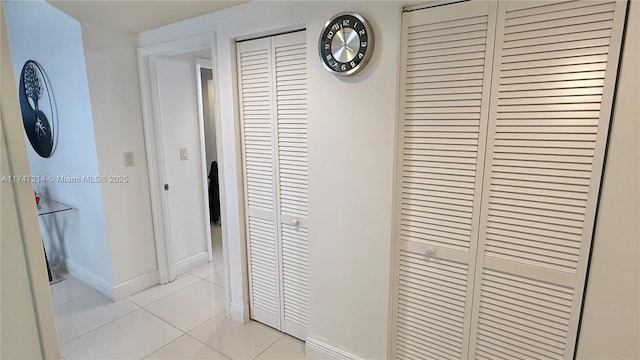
446 68
550 106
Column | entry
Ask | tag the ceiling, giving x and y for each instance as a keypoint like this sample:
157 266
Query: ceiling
136 16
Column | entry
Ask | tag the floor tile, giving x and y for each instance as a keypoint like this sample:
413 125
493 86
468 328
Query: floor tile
218 278
191 306
186 347
207 269
69 289
150 295
285 348
81 315
236 340
132 336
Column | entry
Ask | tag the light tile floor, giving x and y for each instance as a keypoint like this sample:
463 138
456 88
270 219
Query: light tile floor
184 319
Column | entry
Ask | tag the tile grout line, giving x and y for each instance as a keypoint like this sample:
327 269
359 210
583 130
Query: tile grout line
164 346
198 340
269 347
174 292
105 324
170 324
165 295
77 298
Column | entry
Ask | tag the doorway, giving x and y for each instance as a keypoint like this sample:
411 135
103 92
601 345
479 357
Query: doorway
174 118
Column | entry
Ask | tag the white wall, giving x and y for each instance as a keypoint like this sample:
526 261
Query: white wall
117 120
56 44
177 92
27 329
611 321
351 147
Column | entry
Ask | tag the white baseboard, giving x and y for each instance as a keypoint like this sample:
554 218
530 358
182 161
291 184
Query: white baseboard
134 286
239 312
316 349
190 263
90 279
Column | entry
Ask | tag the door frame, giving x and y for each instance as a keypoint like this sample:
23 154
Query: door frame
156 160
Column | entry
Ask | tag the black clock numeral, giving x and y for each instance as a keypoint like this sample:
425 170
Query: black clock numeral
327 46
360 55
330 35
355 26
362 32
363 44
353 64
345 22
343 67
336 27
329 57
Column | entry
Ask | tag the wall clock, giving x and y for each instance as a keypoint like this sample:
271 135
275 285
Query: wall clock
346 44
37 105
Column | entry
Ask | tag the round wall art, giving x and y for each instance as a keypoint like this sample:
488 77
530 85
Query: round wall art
38 108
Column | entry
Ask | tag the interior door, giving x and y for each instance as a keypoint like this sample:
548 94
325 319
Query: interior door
551 98
255 67
446 70
176 106
272 83
291 103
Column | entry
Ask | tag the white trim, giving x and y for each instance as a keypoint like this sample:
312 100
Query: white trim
160 170
207 64
154 181
178 46
316 349
239 313
192 262
90 279
134 286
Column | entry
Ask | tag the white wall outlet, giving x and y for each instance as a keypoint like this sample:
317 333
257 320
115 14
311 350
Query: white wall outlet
184 155
128 159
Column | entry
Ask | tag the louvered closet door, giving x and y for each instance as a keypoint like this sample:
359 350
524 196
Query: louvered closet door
255 68
273 87
551 101
291 103
446 70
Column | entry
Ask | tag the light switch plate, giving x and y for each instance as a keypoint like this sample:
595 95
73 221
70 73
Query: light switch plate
184 155
128 159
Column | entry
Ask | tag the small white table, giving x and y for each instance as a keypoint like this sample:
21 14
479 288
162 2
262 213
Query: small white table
48 207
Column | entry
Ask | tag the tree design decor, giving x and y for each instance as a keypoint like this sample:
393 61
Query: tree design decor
39 119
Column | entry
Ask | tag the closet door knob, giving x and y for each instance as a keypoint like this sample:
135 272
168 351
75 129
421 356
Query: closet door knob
295 222
429 253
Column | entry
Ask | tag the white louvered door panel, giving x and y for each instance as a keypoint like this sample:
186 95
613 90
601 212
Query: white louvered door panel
551 99
291 103
446 73
255 70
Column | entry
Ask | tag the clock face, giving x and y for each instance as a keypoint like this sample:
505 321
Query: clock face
346 44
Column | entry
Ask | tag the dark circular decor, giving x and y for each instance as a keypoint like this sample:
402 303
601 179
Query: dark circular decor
38 109
346 44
